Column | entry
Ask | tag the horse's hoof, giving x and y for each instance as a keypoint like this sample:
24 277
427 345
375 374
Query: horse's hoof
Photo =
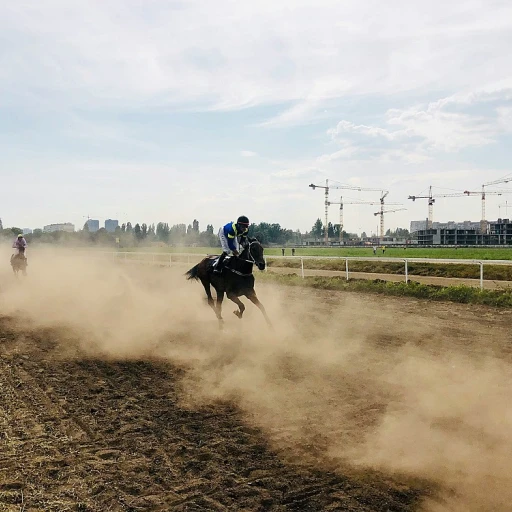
238 314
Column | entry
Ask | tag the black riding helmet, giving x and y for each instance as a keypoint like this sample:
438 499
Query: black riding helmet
242 222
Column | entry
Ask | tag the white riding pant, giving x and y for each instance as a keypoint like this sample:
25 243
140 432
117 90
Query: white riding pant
224 242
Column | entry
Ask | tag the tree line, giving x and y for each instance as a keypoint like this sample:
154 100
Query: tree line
140 234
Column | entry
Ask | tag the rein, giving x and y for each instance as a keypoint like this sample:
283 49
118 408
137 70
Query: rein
252 261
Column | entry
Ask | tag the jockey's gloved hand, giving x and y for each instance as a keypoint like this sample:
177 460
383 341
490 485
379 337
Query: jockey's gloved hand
235 253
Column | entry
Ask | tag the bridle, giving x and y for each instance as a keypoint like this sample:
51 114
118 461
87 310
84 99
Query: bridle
252 260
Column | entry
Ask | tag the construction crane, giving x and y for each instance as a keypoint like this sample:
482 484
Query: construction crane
341 203
483 221
505 205
505 179
384 193
431 200
381 213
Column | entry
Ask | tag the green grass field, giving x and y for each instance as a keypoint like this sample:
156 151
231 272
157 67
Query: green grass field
478 253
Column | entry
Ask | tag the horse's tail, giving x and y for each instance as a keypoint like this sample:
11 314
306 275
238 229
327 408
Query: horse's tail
192 273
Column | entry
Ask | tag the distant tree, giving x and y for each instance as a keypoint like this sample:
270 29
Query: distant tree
144 229
209 229
151 230
86 227
1 225
190 229
330 230
16 231
195 225
37 233
364 235
123 227
163 231
138 231
318 228
398 233
129 227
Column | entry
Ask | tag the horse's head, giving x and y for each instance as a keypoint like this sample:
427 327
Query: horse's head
255 250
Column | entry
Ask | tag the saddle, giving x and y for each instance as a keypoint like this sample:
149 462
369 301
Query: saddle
215 259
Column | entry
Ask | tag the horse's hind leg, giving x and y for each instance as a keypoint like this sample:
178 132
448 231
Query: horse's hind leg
254 299
239 303
209 297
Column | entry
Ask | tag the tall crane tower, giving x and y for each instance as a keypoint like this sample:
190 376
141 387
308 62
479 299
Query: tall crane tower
483 221
432 199
505 179
341 203
384 193
504 205
381 213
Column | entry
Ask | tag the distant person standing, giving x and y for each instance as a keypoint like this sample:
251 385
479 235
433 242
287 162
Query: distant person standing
383 249
374 250
293 251
282 251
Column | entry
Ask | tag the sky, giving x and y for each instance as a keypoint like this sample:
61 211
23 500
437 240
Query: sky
170 110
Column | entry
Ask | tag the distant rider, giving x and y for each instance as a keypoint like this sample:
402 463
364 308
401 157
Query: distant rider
231 236
20 244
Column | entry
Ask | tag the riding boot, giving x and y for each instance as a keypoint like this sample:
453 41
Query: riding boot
218 267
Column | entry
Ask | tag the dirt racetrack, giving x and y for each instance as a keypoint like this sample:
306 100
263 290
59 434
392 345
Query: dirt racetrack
120 393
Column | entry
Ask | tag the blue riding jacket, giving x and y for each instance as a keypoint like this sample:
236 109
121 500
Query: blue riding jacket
231 233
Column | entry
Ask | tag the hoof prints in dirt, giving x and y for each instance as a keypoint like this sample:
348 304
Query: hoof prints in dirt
96 436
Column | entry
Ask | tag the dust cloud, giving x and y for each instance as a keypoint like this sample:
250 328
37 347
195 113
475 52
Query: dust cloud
344 383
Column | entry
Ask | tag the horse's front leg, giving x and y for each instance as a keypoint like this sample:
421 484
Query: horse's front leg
239 303
254 299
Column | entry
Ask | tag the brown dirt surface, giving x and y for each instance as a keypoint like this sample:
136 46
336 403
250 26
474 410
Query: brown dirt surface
120 393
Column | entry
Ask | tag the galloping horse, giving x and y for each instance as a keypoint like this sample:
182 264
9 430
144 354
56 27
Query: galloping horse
19 262
235 280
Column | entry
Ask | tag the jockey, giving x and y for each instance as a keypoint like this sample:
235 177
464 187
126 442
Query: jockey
231 236
20 244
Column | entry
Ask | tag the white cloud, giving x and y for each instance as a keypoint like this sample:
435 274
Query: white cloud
231 55
417 133
248 154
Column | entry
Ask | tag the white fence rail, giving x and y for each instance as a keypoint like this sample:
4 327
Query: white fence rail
171 259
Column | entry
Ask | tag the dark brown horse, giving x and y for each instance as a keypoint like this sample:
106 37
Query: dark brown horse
19 262
236 279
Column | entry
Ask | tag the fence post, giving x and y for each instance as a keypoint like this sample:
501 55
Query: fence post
170 260
302 267
406 272
266 265
481 275
346 267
